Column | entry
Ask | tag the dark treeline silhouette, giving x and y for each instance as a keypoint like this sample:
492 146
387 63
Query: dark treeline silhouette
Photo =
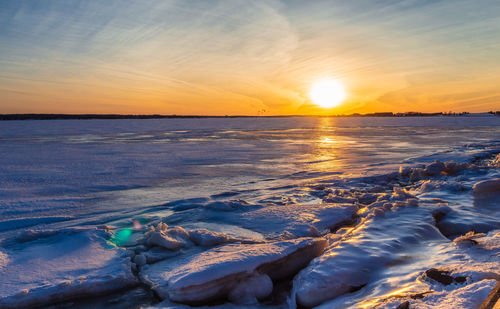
155 116
90 116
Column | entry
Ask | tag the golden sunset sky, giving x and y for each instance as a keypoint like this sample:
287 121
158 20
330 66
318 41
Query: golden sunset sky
247 57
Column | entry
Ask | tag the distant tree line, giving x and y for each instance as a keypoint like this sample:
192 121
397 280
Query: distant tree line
89 116
156 116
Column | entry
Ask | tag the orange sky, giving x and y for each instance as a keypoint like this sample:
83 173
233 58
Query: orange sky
247 58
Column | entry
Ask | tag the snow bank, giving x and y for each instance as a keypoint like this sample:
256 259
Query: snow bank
61 268
230 270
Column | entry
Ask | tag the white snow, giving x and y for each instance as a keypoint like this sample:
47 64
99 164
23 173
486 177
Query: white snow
470 296
213 274
202 183
63 267
355 261
165 241
298 220
466 297
175 238
207 238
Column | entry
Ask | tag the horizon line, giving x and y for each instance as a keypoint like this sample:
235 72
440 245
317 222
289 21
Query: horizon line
85 116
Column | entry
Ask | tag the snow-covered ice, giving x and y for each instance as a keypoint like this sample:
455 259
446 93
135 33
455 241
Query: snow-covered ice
231 271
352 263
62 267
256 213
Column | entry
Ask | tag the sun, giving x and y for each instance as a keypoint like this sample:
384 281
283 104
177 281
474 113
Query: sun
327 93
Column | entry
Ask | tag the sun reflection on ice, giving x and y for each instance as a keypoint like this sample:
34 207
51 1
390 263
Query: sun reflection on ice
327 148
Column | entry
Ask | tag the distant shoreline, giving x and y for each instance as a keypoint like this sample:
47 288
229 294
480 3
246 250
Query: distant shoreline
155 116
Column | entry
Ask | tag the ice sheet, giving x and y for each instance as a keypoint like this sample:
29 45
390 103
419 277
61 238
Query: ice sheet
369 185
62 267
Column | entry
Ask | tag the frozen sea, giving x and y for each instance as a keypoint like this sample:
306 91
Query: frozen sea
250 212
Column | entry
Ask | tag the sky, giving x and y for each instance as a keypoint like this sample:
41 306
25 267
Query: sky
247 57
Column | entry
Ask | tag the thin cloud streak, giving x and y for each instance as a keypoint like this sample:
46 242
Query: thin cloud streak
237 57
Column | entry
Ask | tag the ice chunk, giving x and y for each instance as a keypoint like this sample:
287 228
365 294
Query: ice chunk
487 187
249 291
140 260
177 232
165 241
457 221
435 168
169 238
449 185
214 274
63 267
417 174
174 238
206 238
401 194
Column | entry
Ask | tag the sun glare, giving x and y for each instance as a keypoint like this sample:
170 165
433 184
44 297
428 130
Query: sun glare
327 93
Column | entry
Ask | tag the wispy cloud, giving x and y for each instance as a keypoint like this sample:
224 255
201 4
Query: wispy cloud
238 57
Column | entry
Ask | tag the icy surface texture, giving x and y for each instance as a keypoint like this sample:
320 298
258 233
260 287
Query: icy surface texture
94 207
62 267
231 271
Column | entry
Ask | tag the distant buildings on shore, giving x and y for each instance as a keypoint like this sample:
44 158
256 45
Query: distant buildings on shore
418 114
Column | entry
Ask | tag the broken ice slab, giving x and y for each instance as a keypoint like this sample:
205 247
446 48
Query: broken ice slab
227 270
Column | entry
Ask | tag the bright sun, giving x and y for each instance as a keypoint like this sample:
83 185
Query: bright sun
327 93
